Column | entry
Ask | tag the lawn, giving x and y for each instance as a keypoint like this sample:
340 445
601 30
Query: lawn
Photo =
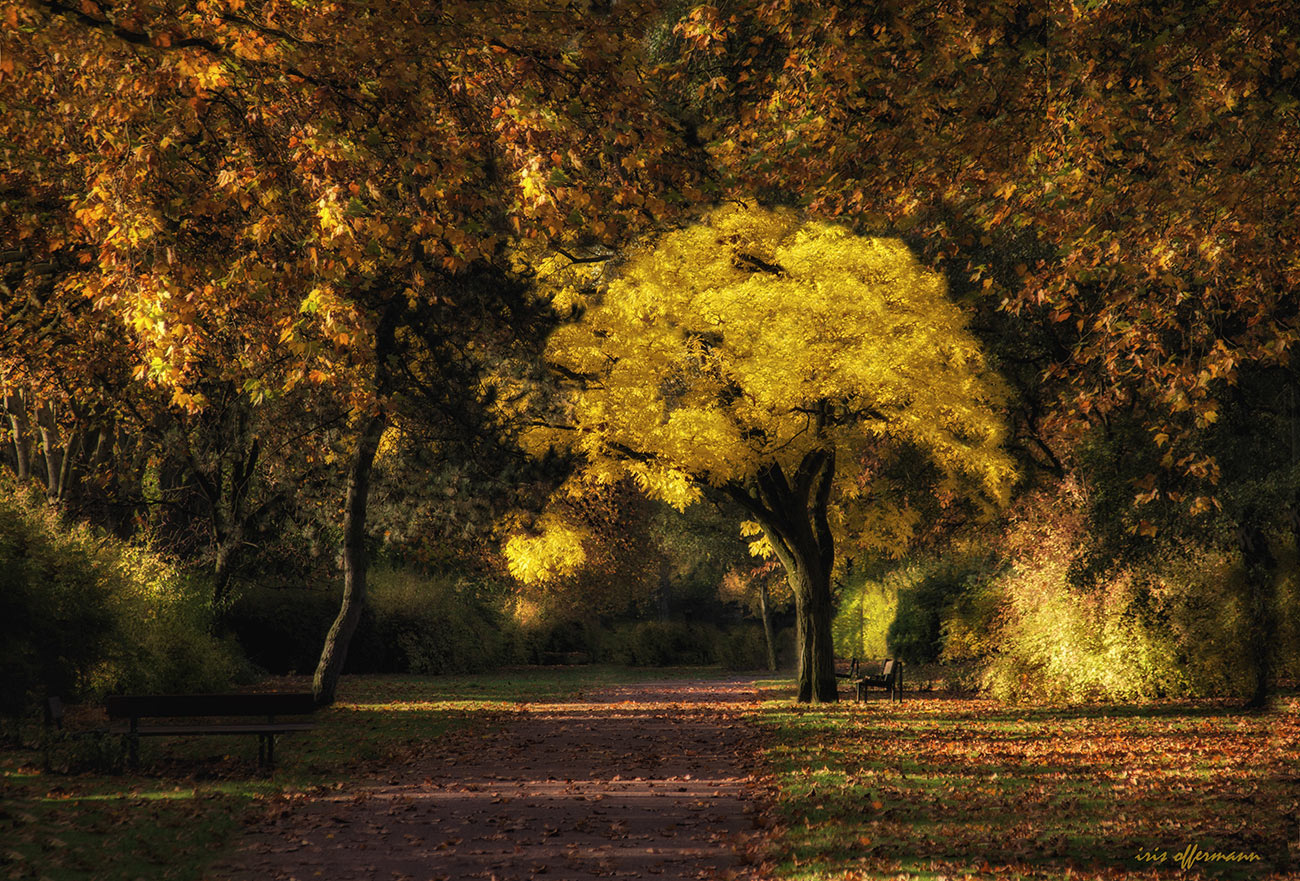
946 787
192 795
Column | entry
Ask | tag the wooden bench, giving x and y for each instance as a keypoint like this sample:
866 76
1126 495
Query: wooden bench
890 678
131 709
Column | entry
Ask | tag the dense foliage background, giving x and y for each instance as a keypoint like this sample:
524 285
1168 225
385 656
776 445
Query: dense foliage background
277 286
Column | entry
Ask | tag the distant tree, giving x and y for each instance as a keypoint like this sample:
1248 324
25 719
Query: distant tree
821 380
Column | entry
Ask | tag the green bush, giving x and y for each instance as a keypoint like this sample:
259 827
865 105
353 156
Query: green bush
282 629
434 625
83 614
663 644
743 648
412 624
902 612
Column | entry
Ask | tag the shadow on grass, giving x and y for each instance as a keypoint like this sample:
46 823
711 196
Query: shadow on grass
193 794
954 786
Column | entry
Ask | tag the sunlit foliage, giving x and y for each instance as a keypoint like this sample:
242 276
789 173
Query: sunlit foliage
822 380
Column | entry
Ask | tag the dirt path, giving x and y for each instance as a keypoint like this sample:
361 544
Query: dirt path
640 781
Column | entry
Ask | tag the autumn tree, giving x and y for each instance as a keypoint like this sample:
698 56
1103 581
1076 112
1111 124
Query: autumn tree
820 380
1110 184
312 186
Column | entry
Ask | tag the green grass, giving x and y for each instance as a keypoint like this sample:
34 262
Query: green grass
951 787
192 795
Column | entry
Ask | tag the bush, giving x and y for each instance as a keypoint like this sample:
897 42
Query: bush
743 648
434 625
902 612
412 624
1169 624
83 614
282 629
663 644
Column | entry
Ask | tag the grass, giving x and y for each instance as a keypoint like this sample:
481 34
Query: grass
193 795
944 787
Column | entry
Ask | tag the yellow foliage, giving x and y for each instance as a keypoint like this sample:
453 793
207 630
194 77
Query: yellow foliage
554 551
754 339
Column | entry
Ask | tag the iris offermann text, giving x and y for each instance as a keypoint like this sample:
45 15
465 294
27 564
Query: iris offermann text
1192 854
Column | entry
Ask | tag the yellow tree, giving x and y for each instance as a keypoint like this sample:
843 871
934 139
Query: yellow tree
822 380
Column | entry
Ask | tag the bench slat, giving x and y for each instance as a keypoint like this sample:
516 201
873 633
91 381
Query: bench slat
165 730
129 706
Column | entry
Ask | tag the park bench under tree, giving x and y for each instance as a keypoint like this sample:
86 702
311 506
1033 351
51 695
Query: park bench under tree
200 714
890 678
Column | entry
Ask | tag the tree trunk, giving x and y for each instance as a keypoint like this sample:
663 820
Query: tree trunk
813 614
766 613
335 651
17 409
53 450
1261 608
793 515
223 567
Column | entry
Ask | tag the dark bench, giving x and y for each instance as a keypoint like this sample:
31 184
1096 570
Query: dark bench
890 678
189 708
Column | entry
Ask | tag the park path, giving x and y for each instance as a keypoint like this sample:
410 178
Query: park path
636 781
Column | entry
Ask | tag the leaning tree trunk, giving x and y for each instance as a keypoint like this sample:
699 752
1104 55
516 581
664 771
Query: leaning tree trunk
334 654
766 613
335 651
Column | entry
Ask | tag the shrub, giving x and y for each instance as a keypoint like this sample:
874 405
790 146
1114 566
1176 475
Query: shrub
743 648
663 644
1169 624
412 624
83 613
902 612
282 629
434 625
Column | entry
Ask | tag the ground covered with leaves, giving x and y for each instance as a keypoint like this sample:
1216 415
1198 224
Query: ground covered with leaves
84 818
947 787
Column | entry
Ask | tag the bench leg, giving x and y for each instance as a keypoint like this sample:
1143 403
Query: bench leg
132 751
266 751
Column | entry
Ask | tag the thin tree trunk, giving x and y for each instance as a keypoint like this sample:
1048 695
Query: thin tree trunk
17 409
334 654
68 467
766 614
53 450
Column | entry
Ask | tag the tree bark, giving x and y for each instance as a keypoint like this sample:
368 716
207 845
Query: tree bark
793 515
1261 608
17 409
53 450
812 591
766 614
335 651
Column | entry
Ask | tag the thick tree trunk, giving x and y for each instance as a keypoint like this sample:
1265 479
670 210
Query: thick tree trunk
1261 609
766 614
334 654
813 612
793 515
